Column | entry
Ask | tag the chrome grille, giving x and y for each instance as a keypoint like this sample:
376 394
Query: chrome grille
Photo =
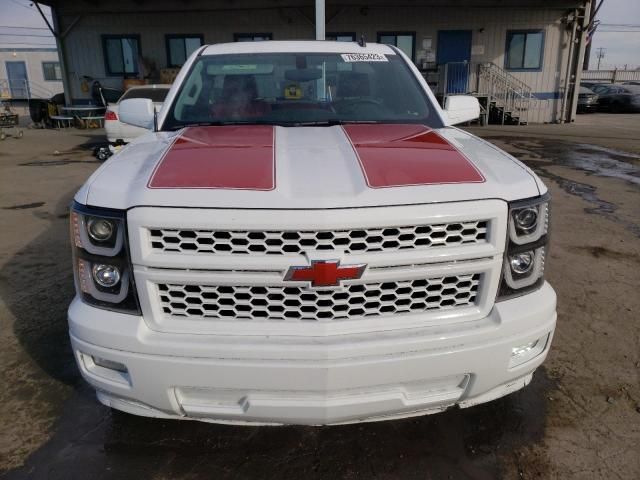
299 303
294 242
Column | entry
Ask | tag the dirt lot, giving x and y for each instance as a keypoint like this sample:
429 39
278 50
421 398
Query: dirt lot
580 417
618 132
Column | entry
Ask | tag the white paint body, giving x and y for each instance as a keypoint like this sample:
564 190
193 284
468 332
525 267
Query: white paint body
315 372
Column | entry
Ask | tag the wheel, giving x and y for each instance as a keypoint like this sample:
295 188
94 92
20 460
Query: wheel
103 153
616 107
2 136
20 134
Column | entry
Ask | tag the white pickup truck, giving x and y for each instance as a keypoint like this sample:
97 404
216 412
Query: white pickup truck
303 238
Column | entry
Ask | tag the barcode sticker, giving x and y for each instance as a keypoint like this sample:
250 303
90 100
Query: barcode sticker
363 57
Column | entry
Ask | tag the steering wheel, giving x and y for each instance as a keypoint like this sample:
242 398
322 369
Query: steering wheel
355 101
348 105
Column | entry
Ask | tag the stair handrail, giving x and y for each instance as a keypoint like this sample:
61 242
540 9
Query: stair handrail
508 92
496 70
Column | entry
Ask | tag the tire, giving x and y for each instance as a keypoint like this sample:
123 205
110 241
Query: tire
3 136
616 107
20 134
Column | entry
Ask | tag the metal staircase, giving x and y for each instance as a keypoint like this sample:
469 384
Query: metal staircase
504 98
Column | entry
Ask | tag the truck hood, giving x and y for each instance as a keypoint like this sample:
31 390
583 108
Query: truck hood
258 166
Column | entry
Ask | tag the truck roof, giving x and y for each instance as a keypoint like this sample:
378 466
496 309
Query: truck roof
306 46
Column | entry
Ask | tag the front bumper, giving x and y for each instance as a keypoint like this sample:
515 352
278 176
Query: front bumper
309 380
587 107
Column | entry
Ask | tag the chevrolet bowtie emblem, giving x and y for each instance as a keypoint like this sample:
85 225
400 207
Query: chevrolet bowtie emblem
323 273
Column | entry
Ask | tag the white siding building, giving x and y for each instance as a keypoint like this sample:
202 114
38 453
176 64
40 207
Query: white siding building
29 73
520 57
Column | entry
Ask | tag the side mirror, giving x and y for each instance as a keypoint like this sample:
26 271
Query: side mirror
461 109
137 111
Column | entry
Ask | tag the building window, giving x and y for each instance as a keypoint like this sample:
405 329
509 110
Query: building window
341 36
179 47
252 37
121 54
51 71
405 41
524 50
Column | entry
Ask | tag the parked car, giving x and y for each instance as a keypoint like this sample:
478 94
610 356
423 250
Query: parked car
306 239
601 88
589 84
587 100
620 98
119 133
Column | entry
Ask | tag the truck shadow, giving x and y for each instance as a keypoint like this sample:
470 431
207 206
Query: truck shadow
482 442
91 441
36 285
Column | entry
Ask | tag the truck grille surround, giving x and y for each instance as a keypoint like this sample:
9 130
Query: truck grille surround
218 270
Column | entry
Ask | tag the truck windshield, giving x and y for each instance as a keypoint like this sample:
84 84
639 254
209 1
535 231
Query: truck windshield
300 89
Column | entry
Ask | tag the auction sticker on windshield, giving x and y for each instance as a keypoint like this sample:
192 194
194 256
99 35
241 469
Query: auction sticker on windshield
364 57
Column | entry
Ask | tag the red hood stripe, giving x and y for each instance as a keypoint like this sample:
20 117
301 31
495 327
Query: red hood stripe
403 155
226 157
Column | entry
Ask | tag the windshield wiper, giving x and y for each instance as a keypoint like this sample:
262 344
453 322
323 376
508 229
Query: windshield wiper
218 123
331 122
318 123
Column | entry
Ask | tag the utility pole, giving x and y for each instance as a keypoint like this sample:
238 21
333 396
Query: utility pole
320 19
600 52
590 32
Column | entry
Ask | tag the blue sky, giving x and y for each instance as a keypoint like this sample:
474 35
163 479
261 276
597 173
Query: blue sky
15 16
621 47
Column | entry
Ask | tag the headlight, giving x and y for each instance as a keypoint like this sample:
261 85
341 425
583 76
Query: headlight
98 235
527 244
521 263
106 276
100 229
102 268
528 220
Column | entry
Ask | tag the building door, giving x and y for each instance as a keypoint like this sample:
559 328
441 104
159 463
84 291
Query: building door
18 81
454 49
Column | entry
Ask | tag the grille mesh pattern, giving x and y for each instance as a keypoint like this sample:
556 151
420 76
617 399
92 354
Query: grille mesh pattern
299 303
294 242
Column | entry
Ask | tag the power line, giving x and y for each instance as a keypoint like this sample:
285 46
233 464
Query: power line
24 35
24 28
634 25
22 5
27 43
27 7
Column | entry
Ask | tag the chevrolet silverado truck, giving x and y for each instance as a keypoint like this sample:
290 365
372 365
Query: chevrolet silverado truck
302 237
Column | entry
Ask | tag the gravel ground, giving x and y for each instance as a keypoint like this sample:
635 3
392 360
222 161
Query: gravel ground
580 417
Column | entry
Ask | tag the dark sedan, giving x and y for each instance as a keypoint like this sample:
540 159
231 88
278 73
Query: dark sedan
601 88
587 100
590 85
619 98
